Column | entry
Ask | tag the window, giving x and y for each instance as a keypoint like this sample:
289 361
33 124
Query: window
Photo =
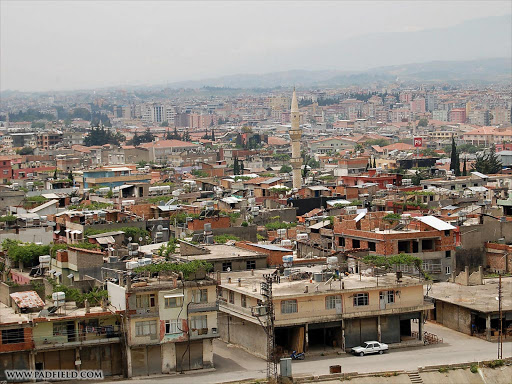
388 296
13 336
356 243
447 232
145 328
6 171
289 306
447 270
145 301
231 297
371 246
60 329
330 301
171 327
226 266
360 299
251 264
173 302
244 301
200 296
448 254
199 322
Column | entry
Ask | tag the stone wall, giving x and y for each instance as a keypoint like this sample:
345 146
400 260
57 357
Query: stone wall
453 316
242 333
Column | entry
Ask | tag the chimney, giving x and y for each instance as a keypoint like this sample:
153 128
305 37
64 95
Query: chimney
252 272
87 306
306 289
342 285
128 282
229 280
121 279
239 282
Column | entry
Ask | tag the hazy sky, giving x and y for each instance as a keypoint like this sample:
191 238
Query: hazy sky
56 45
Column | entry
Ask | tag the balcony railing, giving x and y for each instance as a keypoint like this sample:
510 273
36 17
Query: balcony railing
203 307
100 335
203 333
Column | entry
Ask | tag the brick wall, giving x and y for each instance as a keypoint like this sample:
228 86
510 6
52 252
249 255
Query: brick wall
216 222
28 344
498 257
273 257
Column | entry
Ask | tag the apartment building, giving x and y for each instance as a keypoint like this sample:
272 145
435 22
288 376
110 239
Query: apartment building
487 136
457 115
70 338
312 314
170 324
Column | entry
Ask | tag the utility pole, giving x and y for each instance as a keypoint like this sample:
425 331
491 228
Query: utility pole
267 310
500 341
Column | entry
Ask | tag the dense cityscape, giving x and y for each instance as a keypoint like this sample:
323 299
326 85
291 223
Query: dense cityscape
216 232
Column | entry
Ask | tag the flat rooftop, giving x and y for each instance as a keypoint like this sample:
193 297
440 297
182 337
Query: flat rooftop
250 282
68 311
481 298
222 252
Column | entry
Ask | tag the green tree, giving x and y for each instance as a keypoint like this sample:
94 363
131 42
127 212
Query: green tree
465 169
454 159
358 148
423 122
374 163
164 124
286 169
26 151
236 167
488 163
213 135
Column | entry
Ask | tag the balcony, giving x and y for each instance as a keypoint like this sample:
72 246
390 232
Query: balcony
104 335
203 307
203 333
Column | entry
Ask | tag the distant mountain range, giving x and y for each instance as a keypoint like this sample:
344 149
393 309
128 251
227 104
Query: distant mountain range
484 71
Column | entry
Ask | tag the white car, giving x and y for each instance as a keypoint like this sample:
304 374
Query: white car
370 347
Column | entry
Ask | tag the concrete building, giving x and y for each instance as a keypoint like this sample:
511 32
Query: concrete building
473 309
312 314
170 324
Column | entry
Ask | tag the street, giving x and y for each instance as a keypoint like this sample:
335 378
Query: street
233 363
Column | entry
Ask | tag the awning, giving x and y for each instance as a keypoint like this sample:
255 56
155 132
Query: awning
76 232
173 295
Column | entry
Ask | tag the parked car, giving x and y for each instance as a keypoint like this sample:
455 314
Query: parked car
370 347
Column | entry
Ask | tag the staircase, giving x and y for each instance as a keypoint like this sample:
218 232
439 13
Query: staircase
415 377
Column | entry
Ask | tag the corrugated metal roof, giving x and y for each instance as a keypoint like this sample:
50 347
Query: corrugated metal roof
105 240
360 216
27 299
320 224
270 247
481 175
43 206
436 223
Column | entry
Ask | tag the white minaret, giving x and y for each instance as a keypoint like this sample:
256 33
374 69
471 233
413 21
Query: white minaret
295 136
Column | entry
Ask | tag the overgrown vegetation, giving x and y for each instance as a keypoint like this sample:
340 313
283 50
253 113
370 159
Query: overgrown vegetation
27 253
167 249
94 297
275 225
392 217
186 268
222 239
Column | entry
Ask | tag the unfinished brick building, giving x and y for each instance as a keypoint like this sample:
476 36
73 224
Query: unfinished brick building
426 237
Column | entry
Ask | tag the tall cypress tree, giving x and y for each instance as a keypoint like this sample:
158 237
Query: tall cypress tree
235 166
374 163
454 166
465 169
213 135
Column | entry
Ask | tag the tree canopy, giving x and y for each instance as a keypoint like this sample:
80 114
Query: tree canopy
488 163
102 136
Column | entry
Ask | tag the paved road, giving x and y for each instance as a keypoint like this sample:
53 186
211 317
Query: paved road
232 363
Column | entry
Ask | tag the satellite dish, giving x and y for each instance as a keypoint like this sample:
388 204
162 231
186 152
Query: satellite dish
228 269
130 238
140 238
159 228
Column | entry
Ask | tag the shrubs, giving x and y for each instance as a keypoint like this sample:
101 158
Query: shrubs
186 268
274 225
222 239
474 368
